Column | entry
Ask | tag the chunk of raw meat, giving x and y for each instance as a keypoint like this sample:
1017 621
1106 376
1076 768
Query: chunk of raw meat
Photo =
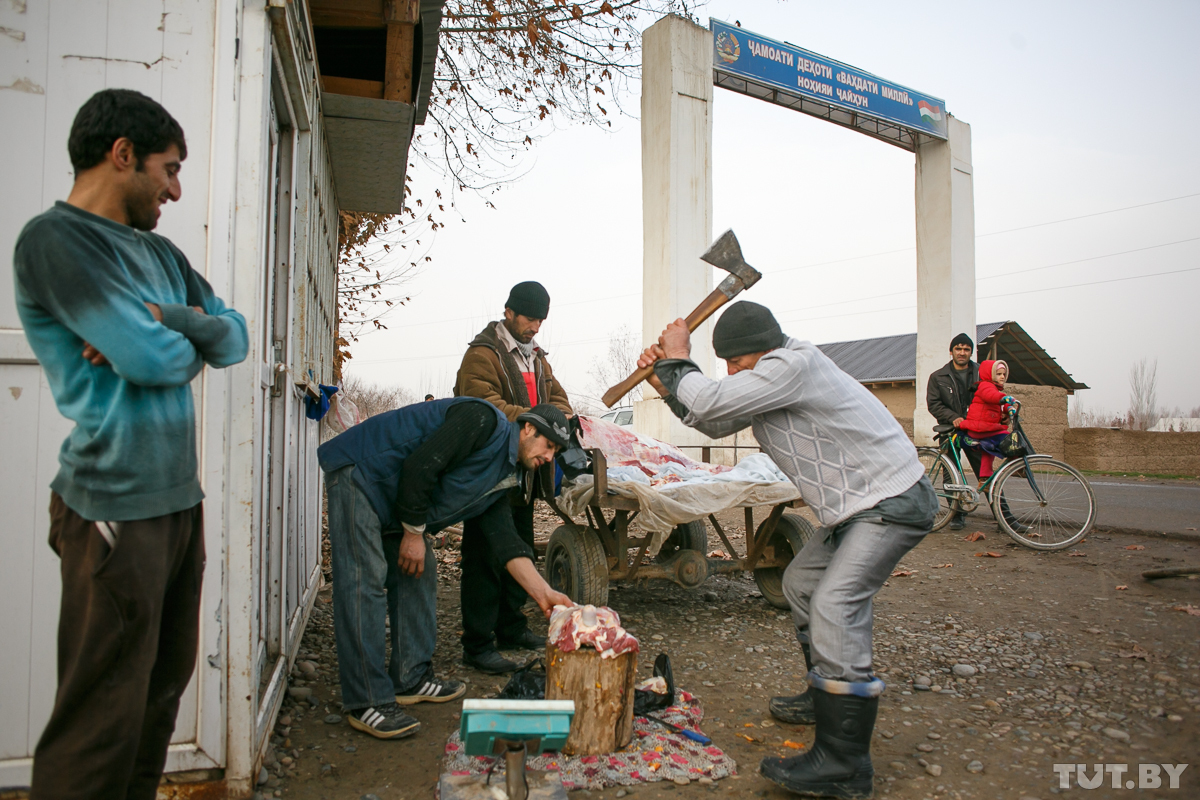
572 627
623 448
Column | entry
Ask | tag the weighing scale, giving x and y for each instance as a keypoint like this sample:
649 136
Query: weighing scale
512 729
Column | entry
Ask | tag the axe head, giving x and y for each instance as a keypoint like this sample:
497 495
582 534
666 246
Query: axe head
725 253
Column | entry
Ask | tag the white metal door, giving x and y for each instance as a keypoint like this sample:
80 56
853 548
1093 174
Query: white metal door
278 544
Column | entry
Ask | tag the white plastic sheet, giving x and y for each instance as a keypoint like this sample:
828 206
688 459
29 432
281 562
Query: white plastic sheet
754 481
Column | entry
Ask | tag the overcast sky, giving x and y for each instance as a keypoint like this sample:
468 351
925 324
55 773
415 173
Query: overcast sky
1076 109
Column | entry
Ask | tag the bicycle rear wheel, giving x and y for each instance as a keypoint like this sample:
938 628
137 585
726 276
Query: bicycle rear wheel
941 471
1046 505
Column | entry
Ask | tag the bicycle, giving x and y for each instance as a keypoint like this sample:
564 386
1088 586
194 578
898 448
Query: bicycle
1037 500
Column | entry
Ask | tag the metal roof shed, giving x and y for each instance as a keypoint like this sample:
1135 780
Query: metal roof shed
893 359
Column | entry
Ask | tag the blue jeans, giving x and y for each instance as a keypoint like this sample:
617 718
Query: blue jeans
830 584
368 586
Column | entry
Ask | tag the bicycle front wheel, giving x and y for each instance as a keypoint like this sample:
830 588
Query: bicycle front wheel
1043 503
941 471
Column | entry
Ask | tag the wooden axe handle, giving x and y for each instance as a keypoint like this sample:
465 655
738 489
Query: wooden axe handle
694 320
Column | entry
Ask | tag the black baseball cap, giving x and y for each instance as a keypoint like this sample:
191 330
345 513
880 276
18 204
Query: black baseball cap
550 422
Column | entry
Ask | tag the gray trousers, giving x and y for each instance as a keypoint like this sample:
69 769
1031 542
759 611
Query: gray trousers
830 584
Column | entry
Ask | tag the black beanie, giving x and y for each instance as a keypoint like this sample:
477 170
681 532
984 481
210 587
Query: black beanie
746 328
529 299
550 422
962 338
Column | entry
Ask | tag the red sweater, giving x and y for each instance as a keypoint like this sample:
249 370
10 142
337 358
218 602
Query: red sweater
986 414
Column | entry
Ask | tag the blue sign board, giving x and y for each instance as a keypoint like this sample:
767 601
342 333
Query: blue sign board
739 52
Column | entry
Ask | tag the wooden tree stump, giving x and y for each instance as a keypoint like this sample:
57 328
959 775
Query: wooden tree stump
602 689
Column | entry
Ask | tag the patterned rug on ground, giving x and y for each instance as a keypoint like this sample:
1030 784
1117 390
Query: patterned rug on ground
653 754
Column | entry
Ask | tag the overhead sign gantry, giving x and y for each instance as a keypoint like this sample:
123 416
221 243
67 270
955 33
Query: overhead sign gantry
681 63
799 79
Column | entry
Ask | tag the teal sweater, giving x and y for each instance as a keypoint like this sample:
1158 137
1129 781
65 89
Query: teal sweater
83 278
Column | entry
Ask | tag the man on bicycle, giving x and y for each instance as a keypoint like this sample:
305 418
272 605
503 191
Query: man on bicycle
860 475
949 395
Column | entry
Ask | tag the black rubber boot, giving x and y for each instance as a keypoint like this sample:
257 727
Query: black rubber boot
839 763
958 521
797 709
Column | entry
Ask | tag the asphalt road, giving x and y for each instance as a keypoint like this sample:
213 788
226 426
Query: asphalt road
1166 506
1153 506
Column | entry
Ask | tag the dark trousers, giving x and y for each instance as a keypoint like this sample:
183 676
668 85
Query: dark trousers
974 458
127 642
491 598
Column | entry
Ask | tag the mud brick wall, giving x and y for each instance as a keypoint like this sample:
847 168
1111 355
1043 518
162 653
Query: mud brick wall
722 451
900 400
1107 450
1043 416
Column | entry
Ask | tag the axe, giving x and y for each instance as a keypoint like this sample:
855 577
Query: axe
726 254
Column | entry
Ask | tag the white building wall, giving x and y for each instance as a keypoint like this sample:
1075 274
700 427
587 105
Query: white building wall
945 206
677 89
210 64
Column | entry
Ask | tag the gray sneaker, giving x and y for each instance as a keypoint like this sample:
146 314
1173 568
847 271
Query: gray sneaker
387 721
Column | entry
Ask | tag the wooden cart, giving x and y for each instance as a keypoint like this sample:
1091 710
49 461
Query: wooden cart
581 560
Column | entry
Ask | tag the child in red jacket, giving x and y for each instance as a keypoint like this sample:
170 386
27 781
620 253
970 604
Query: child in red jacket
986 422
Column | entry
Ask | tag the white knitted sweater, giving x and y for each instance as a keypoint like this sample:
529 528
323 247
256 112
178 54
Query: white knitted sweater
837 443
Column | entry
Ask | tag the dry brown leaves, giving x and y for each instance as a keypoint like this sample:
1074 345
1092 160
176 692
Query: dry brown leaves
1122 588
974 537
1187 609
1135 547
989 554
942 566
793 745
903 573
1076 554
719 554
1137 652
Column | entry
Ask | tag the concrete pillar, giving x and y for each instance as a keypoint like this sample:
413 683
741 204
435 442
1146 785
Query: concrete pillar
945 208
677 88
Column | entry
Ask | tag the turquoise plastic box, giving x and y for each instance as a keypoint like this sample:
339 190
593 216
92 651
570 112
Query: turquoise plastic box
546 721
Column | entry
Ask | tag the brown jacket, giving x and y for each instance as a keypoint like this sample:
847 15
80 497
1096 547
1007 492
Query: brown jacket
489 371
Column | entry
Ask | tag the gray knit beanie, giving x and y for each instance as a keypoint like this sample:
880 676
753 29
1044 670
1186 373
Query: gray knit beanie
746 328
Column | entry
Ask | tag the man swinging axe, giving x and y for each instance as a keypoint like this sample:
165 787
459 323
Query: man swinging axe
859 473
392 480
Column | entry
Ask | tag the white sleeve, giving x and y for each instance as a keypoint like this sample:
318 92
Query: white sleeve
773 383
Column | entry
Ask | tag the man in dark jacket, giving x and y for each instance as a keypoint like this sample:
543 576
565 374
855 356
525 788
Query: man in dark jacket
392 480
505 366
948 396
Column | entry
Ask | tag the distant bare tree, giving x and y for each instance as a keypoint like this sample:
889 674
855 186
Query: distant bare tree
618 361
1143 394
1079 416
373 398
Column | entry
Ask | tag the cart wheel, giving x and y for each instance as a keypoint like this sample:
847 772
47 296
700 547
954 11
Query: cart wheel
576 565
688 536
789 538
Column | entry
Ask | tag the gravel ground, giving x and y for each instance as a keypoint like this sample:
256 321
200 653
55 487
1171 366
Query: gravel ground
997 668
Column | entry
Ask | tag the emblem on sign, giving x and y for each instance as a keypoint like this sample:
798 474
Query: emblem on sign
728 49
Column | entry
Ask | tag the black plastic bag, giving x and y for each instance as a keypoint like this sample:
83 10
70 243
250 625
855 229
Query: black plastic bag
527 683
645 702
574 461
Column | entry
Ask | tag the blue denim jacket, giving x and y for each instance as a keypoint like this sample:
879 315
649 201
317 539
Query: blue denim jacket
378 446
